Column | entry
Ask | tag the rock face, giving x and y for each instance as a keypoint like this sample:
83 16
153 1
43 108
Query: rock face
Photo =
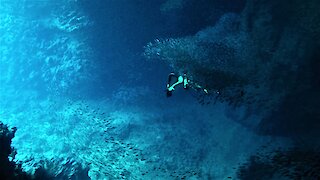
8 169
286 42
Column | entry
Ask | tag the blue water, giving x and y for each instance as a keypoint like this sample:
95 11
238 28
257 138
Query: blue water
85 85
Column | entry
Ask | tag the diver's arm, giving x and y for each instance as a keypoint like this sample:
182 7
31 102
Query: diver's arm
170 77
171 88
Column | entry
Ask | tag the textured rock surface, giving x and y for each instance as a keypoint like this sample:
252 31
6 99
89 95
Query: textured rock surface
8 169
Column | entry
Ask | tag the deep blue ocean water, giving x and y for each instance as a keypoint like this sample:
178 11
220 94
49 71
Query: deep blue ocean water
85 83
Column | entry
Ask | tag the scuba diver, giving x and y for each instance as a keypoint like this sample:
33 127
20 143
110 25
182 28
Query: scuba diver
174 80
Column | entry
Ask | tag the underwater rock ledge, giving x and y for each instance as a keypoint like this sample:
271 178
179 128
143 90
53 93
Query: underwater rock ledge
9 169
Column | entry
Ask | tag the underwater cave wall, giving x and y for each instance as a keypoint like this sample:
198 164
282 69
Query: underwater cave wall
42 47
262 58
287 39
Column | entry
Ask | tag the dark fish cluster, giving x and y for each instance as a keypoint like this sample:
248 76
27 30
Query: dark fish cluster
292 164
119 149
184 174
164 171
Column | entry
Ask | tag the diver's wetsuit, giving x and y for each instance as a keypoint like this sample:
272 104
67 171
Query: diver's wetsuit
181 80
